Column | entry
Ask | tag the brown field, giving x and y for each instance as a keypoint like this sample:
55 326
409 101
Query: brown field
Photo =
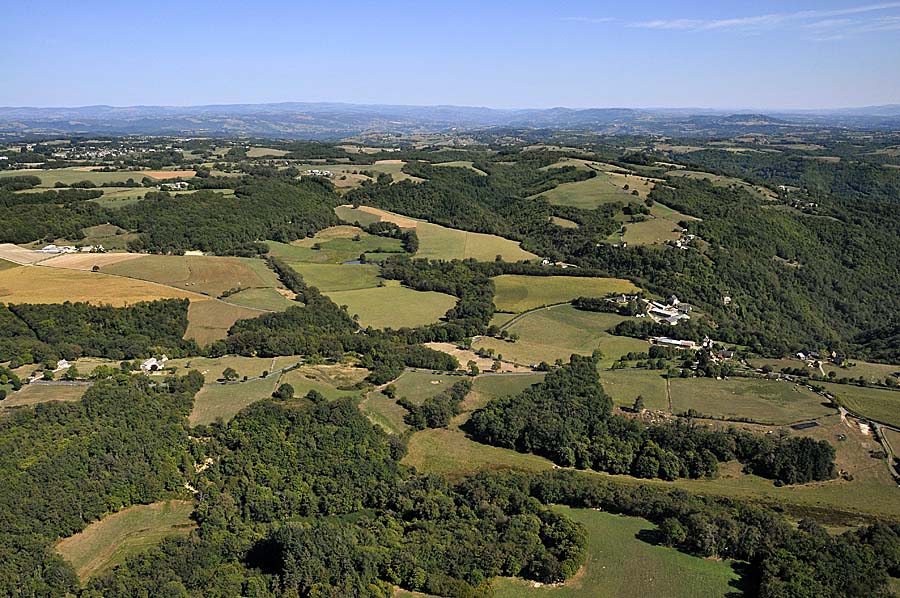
20 255
36 284
401 221
388 161
31 394
464 356
210 319
86 261
162 175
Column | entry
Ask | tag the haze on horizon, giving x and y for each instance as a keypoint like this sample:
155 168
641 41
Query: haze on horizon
579 54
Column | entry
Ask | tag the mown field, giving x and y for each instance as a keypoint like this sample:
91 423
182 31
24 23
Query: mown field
622 561
337 277
32 394
393 305
624 386
879 404
518 293
764 401
210 319
108 542
30 284
558 332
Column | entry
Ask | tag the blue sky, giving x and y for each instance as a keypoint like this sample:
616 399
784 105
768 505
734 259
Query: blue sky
725 54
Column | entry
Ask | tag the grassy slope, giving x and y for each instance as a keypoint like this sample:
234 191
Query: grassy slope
394 306
518 293
622 564
108 542
879 404
31 394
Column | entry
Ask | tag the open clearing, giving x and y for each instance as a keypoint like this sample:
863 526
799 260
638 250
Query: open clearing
335 245
518 293
337 277
879 404
558 332
37 284
267 298
660 226
110 236
391 167
725 181
604 188
394 306
212 368
108 542
621 564
624 386
464 356
20 255
462 164
764 401
440 242
210 319
31 394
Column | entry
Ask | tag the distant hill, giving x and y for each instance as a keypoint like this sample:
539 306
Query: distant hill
336 120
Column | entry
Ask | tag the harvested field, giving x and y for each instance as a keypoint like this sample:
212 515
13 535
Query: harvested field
518 293
462 164
162 175
37 284
337 277
31 394
20 255
108 542
464 356
86 261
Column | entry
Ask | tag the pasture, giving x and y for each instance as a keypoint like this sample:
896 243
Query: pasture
420 385
440 242
624 386
224 401
338 277
32 394
356 171
462 164
212 367
77 174
724 181
764 401
660 226
558 332
110 236
335 245
879 404
106 543
384 412
601 189
518 293
265 152
622 562
210 319
30 284
394 306
267 298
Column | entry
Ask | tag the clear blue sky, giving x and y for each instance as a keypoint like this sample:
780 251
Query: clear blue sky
524 53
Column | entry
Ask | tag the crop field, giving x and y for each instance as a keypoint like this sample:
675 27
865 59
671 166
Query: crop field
394 306
87 261
462 164
108 542
876 403
621 563
31 394
338 277
29 284
210 319
591 193
209 275
558 332
765 401
563 222
440 242
518 293
624 386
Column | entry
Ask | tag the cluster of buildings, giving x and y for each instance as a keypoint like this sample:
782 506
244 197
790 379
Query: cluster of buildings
153 364
670 312
176 186
317 172
684 242
563 265
58 249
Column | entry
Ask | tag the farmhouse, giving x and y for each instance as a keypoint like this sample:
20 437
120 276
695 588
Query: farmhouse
58 249
153 364
672 342
317 172
176 186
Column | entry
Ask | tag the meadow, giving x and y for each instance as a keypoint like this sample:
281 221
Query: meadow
879 404
462 164
725 181
622 562
764 401
591 193
334 245
394 306
210 319
624 386
517 293
77 174
661 226
558 332
108 542
212 368
338 277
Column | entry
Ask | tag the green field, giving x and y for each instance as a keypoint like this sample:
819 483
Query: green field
225 401
765 401
108 542
335 245
876 403
462 164
558 332
213 367
110 236
394 306
266 298
337 277
31 394
76 174
624 386
621 564
393 168
588 194
872 372
724 181
491 386
518 293
384 412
